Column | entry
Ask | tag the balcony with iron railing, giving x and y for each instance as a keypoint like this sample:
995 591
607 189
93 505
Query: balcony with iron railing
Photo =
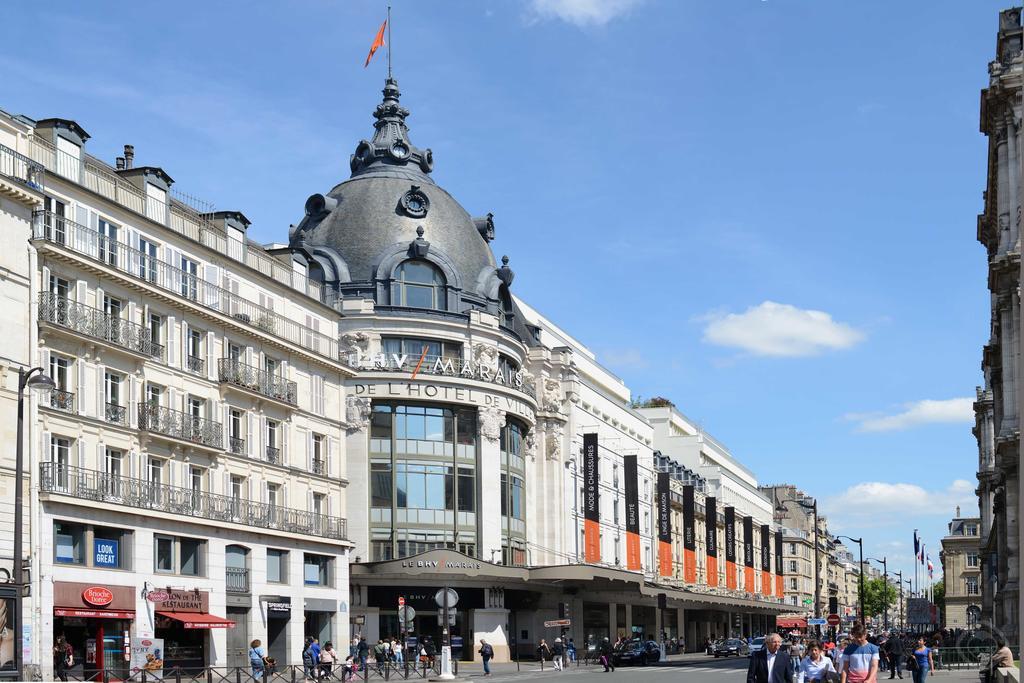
62 400
181 213
319 466
236 446
65 234
195 364
97 324
99 487
24 172
236 579
254 379
273 455
180 425
115 414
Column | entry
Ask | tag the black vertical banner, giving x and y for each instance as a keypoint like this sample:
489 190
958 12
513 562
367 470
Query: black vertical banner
689 535
766 559
632 514
730 548
711 539
748 554
591 500
779 583
664 525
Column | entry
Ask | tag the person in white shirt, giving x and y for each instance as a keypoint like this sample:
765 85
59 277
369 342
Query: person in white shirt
815 666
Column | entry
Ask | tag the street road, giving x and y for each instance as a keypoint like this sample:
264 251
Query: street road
713 670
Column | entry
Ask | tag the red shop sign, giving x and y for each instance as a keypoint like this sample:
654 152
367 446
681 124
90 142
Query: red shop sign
98 596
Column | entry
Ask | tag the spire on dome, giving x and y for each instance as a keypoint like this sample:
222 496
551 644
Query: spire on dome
390 153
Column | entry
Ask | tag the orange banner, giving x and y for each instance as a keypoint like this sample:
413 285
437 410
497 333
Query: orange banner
591 541
778 585
713 572
664 558
689 566
730 575
766 583
633 551
748 579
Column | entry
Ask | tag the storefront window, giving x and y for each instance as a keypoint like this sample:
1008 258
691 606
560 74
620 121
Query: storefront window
69 542
315 570
277 562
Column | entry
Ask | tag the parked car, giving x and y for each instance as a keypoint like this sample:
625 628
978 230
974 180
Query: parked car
756 645
639 652
732 646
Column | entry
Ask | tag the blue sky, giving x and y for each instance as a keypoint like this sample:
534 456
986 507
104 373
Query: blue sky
764 210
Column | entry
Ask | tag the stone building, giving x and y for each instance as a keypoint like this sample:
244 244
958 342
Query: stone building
961 572
997 424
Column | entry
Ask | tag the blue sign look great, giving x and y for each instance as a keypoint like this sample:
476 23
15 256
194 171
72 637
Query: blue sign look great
105 553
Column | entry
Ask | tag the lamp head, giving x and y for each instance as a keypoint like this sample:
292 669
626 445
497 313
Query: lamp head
41 382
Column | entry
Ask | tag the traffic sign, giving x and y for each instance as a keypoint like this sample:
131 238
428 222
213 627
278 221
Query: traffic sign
453 597
807 601
451 617
554 623
816 622
834 620
406 613
401 601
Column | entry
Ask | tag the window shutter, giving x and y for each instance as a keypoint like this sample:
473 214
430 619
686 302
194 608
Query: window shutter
101 466
184 345
210 369
45 451
250 434
132 464
94 241
248 355
81 453
309 450
309 500
284 496
174 260
172 347
284 443
332 452
101 394
172 395
81 386
227 427
133 241
212 295
81 291
82 215
99 296
227 484
44 362
132 398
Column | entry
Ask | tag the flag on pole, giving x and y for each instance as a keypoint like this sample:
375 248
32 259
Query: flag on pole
922 554
917 545
378 42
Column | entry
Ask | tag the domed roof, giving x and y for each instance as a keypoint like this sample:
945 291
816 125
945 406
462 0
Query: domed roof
389 196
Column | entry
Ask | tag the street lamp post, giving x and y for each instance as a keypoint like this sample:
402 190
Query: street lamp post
885 590
860 584
910 585
36 379
813 507
899 578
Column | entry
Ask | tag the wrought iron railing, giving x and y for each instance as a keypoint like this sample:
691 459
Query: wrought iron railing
195 364
20 167
102 487
253 378
236 445
116 414
95 323
64 232
180 425
319 466
236 579
62 400
273 455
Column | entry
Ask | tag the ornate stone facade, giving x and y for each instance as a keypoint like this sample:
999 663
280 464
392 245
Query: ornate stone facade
997 426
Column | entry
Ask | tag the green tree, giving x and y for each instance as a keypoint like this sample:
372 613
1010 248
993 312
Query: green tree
878 595
939 592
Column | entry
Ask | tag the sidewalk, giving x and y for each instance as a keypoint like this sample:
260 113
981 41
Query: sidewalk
468 669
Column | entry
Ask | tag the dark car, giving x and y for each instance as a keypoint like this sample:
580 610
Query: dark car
639 652
732 646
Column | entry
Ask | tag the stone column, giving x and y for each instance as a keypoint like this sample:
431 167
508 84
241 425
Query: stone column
681 628
490 421
357 454
490 624
629 618
613 624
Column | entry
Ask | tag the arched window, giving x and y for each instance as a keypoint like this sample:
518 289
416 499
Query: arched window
418 284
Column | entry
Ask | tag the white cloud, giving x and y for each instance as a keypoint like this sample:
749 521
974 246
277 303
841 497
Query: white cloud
582 12
928 411
877 503
626 358
780 330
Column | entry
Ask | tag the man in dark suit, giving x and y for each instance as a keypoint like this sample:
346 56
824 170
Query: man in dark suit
771 664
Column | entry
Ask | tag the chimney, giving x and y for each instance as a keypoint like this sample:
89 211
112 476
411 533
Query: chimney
120 163
129 156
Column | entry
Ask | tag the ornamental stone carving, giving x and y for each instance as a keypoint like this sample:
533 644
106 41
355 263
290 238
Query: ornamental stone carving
491 421
355 342
530 444
485 354
554 440
551 402
357 413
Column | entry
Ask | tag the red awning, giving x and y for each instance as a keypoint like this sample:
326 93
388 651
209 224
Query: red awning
93 613
198 619
790 622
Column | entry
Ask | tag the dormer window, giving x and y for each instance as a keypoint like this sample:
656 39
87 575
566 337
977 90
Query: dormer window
418 284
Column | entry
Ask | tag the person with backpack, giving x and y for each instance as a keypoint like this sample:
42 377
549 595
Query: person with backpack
605 648
362 652
556 654
379 654
257 659
486 653
307 660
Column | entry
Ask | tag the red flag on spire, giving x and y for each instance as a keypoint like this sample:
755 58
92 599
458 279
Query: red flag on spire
377 43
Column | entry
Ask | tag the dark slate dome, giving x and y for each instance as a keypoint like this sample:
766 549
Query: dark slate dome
390 209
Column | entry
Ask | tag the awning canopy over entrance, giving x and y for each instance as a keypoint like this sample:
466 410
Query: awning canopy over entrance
436 567
198 619
790 622
93 613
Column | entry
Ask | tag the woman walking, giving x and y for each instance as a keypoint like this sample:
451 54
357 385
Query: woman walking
257 659
923 662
